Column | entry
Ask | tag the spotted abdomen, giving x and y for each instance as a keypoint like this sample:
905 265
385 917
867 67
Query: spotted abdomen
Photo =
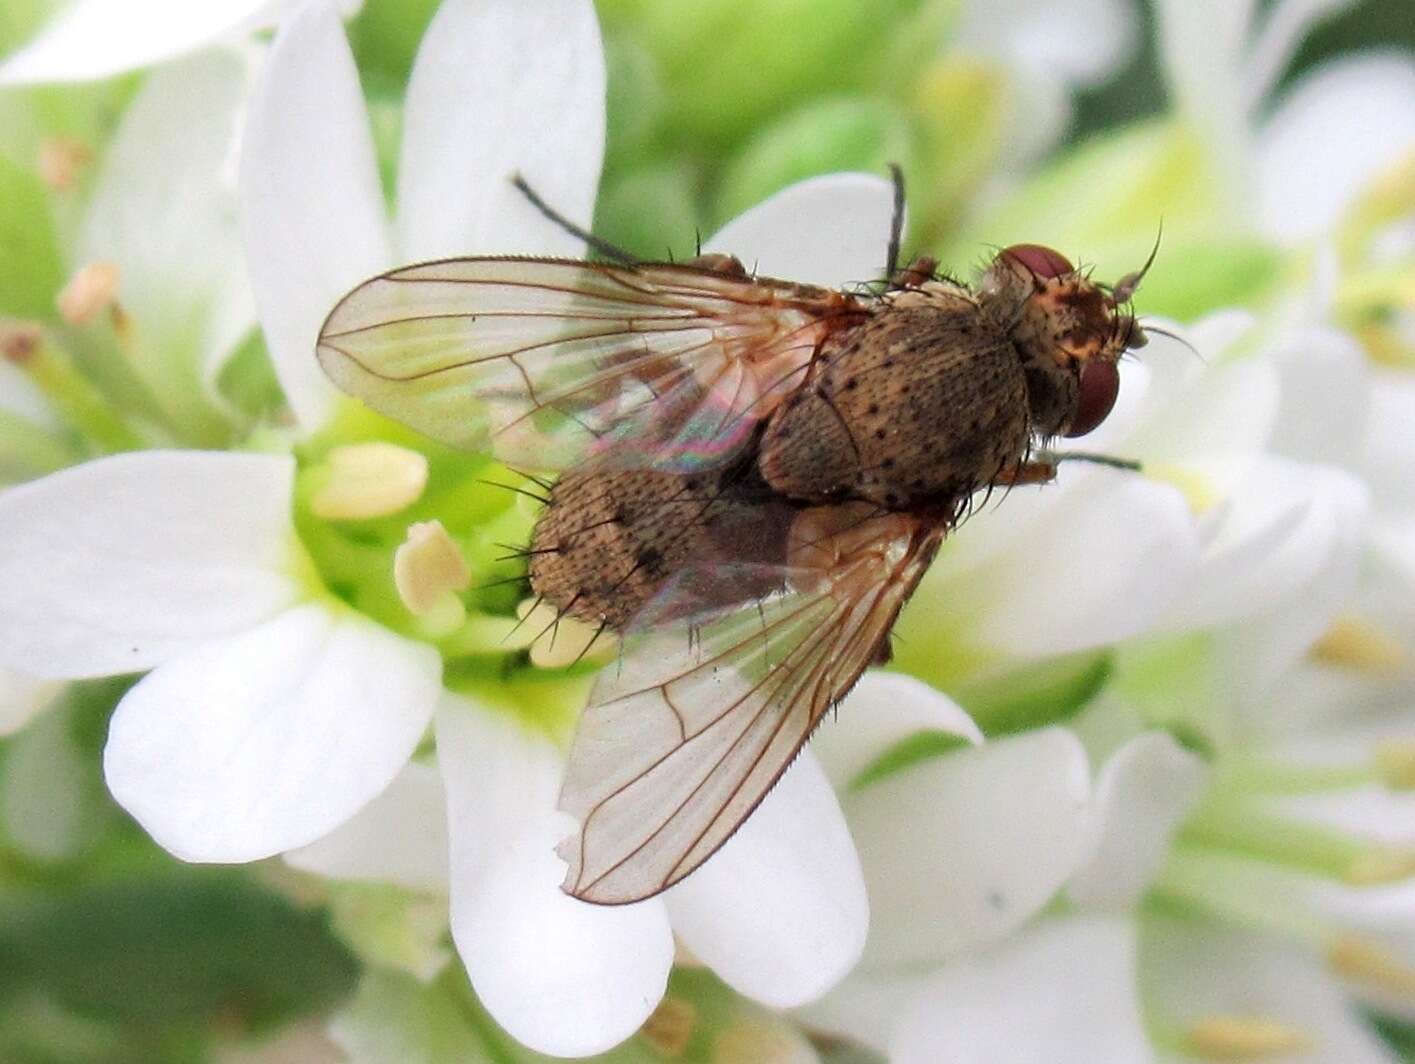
609 542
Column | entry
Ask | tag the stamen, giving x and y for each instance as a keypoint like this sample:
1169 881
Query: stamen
19 340
1372 965
669 1028
363 480
1198 492
1395 763
1355 643
90 291
557 640
60 160
761 1041
1386 864
1244 1038
428 570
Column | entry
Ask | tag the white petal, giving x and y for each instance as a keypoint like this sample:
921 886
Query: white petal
1143 794
164 211
1202 46
120 563
1119 552
561 975
312 213
1198 412
501 87
1062 993
1326 398
1258 650
1083 42
863 1008
780 913
884 709
268 740
1333 133
1270 537
21 697
97 38
399 837
1191 971
960 850
20 396
1388 458
831 230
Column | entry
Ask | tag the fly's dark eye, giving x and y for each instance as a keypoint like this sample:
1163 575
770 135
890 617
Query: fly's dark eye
1042 262
1100 384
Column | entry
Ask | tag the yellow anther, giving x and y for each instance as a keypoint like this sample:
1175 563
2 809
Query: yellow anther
90 291
557 640
363 480
1395 763
1386 864
1198 491
428 569
762 1041
1243 1038
1355 643
1372 965
669 1028
60 160
19 340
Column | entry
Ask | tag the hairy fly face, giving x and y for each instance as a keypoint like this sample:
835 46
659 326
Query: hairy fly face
1069 332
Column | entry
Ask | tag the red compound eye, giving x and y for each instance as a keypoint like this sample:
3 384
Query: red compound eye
1043 262
1100 384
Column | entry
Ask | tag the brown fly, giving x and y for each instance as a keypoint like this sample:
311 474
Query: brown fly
755 475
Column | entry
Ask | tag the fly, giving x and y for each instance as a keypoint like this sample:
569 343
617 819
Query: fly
754 475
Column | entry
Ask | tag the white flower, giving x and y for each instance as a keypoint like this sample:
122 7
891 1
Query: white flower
274 711
93 39
1050 52
1293 171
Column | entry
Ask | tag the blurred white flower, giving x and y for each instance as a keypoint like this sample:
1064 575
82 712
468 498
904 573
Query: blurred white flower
1050 53
91 39
1293 170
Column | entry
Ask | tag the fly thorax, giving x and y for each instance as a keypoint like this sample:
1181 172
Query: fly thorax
925 398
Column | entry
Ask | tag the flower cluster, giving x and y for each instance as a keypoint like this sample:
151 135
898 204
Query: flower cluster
1137 783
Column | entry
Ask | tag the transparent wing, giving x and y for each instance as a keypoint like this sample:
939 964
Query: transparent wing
685 737
555 360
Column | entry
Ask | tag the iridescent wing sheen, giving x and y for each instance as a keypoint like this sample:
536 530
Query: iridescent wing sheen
684 738
553 361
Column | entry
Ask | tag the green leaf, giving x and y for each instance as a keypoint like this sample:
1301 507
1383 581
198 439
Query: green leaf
1036 695
385 37
731 65
178 950
836 133
650 212
31 267
906 752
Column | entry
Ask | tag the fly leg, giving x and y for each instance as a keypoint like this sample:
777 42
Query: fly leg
1042 469
1029 472
1053 457
604 247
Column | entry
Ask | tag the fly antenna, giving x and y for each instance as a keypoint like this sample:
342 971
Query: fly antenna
604 247
1126 286
1173 336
